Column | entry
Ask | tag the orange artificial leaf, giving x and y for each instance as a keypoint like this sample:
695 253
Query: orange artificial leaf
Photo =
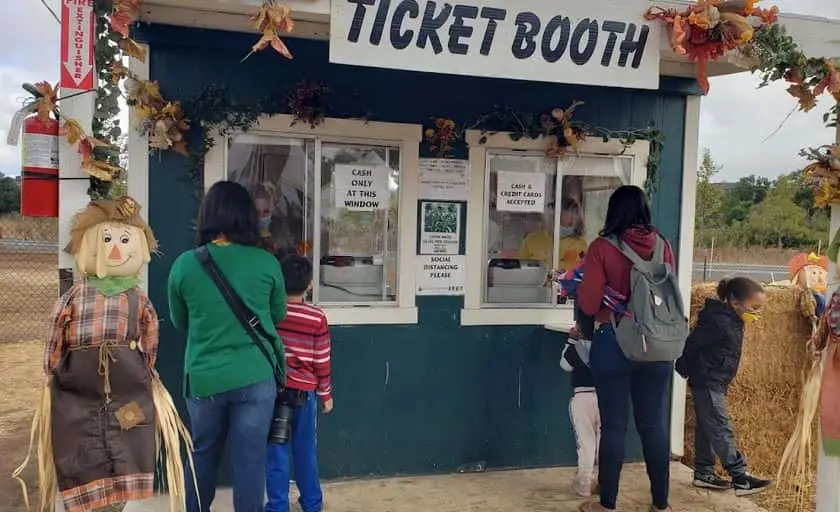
102 171
123 14
181 148
132 49
72 131
703 76
807 100
46 103
281 48
118 72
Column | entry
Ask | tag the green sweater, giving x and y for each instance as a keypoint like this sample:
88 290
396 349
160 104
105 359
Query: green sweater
220 355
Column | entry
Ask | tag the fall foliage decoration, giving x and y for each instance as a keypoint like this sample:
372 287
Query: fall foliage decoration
823 174
271 20
45 105
159 119
709 29
564 134
307 103
441 137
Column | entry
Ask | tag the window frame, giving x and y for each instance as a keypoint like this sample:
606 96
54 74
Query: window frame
476 311
407 138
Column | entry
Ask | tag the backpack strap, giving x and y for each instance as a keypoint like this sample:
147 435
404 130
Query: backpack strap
659 250
629 253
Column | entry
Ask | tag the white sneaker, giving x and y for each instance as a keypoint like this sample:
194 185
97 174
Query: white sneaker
583 487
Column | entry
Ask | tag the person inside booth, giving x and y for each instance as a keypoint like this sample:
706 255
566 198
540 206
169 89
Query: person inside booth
538 244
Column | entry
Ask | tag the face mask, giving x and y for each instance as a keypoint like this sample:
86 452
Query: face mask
265 223
750 317
566 232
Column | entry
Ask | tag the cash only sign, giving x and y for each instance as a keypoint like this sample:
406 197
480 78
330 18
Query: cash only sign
591 42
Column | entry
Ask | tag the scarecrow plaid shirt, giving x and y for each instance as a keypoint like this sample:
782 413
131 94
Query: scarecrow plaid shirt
83 317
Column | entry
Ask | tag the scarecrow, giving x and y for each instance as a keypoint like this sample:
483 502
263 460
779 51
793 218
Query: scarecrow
810 273
820 399
105 419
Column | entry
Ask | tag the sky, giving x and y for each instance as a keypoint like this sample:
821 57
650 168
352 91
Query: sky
736 118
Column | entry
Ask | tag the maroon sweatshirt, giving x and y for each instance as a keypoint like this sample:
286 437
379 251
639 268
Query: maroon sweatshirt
604 265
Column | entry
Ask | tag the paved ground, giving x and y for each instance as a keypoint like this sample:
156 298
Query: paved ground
718 271
545 490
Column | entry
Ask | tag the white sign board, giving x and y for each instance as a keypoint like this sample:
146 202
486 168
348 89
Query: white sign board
444 178
593 42
441 275
362 188
520 192
440 228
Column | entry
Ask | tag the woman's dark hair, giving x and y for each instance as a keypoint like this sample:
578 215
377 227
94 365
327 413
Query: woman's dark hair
297 271
628 208
571 205
228 210
737 288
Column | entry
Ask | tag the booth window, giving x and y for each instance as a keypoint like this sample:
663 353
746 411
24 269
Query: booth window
538 216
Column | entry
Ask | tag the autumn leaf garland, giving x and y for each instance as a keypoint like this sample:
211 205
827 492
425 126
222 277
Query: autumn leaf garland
271 20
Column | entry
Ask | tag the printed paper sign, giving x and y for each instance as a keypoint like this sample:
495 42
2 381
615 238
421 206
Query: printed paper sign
77 35
444 178
520 192
596 42
362 188
441 275
440 228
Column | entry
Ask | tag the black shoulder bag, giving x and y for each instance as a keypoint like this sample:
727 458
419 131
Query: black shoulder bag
250 322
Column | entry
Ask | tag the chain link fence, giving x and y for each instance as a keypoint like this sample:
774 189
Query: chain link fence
28 277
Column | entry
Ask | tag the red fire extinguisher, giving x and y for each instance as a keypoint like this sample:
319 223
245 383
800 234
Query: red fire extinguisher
39 183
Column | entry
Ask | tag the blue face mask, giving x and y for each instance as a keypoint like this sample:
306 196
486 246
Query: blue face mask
265 223
566 232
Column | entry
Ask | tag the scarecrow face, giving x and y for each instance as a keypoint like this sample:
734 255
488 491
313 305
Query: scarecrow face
815 278
111 249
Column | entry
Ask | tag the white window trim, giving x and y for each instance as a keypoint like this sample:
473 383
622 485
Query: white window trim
479 143
137 181
407 137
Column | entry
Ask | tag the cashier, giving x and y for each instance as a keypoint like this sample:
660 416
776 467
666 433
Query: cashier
539 244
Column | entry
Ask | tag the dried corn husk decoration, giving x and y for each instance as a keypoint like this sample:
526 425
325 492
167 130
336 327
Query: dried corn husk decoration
169 432
40 435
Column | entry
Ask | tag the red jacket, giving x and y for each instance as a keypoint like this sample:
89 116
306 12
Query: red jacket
605 265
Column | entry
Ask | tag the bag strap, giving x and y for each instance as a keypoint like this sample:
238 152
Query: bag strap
629 253
659 250
250 322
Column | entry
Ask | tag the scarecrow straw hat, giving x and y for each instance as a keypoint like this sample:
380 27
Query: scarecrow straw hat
123 210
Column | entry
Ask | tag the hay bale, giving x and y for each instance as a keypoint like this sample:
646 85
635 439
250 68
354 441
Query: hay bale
764 398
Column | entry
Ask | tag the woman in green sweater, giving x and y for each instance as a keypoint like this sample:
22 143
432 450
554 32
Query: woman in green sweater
228 383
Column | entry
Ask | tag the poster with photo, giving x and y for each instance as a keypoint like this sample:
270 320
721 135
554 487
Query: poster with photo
440 227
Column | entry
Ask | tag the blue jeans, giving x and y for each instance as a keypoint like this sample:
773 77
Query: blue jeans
302 449
618 382
242 418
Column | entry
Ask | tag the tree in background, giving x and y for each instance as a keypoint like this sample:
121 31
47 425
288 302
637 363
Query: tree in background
9 195
709 213
743 195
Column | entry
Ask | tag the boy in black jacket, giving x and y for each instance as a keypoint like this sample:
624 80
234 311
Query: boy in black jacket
710 362
583 407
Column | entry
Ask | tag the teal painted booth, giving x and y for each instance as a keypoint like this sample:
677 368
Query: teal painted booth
434 396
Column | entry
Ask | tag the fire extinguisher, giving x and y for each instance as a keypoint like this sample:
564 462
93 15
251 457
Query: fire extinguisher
39 176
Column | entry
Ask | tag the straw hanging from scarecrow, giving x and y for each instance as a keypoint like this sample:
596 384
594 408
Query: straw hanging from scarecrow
105 422
820 393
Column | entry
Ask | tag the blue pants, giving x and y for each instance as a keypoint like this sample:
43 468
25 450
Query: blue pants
618 382
302 449
242 418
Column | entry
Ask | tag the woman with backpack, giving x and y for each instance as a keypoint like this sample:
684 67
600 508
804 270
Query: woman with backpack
618 379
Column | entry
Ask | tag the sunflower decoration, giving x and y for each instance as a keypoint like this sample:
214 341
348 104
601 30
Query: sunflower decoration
564 134
823 174
710 29
271 20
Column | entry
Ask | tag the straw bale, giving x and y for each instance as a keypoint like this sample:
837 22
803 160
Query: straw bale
764 398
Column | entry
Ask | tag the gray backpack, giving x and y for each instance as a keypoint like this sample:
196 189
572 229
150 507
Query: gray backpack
657 327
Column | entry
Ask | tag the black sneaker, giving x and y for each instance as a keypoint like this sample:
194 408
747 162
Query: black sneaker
748 485
711 481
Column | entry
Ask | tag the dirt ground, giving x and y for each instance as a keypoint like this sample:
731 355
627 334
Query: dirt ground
21 381
28 291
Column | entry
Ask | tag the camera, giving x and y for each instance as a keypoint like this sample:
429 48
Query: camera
284 412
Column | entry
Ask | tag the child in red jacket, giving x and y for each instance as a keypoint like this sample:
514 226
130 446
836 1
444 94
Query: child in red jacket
306 339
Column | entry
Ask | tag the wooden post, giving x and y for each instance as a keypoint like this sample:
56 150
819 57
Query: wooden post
828 468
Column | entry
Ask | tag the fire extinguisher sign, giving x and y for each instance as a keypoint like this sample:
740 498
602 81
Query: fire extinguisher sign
77 34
